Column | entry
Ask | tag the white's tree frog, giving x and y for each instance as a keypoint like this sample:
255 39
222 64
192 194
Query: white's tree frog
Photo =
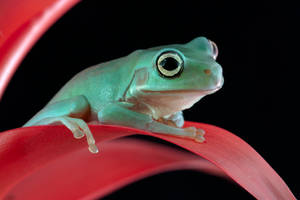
148 89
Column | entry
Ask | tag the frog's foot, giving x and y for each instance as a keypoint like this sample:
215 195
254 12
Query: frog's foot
78 127
198 134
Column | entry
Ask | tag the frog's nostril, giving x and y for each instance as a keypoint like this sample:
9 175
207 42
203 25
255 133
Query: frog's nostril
207 71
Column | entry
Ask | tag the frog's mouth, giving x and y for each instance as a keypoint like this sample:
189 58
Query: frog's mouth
200 92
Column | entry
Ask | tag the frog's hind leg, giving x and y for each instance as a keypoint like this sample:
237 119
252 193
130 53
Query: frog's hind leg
119 113
69 112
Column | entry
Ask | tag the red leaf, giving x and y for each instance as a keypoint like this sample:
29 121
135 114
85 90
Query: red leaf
22 22
24 150
79 174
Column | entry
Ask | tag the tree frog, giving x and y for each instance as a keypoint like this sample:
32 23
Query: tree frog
147 89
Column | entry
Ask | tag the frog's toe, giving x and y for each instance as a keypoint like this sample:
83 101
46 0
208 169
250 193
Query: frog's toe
199 137
78 134
82 130
196 134
93 148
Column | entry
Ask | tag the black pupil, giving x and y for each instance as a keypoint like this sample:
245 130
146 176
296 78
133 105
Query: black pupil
169 63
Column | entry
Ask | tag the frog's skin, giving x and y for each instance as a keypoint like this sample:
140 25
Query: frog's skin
148 89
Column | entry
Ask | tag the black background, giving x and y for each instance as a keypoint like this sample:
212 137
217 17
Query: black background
257 50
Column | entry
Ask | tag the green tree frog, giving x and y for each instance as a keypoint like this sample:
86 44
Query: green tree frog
148 89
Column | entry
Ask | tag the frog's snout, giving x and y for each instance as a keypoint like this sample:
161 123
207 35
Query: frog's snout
215 76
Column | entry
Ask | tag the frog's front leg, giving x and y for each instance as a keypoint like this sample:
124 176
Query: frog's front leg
120 114
69 112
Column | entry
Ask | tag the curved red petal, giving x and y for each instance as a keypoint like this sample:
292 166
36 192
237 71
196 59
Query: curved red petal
80 175
24 150
21 26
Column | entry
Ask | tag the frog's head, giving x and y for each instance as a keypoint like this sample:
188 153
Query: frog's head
174 77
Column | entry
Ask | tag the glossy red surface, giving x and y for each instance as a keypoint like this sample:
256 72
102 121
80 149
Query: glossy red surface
81 175
22 23
27 151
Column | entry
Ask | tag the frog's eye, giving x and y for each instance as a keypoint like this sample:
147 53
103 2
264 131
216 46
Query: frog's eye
169 64
214 48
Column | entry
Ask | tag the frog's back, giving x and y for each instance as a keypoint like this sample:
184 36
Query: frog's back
100 84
